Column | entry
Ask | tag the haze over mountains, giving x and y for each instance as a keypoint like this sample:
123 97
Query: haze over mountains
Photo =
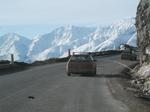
57 42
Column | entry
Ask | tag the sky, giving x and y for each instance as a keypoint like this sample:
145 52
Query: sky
41 15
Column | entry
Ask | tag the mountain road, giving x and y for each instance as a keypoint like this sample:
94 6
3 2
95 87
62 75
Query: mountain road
47 88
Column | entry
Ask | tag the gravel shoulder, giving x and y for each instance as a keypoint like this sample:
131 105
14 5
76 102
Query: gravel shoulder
122 87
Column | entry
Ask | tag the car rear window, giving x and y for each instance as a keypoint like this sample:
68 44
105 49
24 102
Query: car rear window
81 58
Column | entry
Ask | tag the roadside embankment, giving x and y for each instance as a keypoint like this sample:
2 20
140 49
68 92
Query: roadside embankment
123 87
11 68
141 80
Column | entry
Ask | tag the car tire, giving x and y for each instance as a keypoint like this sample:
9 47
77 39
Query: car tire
94 73
69 74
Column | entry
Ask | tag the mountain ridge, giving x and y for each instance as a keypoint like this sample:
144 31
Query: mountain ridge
57 42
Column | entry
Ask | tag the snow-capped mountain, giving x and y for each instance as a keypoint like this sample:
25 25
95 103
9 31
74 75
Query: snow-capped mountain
57 42
118 34
13 43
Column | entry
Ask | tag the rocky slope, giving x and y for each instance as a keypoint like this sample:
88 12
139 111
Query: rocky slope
143 30
143 39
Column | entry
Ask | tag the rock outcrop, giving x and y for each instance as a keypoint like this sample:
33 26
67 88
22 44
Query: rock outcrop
143 30
143 41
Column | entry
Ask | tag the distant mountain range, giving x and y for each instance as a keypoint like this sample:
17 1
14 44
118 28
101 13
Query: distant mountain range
57 42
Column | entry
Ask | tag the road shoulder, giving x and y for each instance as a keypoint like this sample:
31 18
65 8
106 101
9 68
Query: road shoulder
122 90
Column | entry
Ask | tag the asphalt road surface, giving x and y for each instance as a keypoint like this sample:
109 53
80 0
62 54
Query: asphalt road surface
48 89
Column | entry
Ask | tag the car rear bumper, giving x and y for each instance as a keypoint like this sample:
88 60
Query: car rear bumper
83 71
81 68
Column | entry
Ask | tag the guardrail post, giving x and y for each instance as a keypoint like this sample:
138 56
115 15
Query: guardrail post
12 59
69 52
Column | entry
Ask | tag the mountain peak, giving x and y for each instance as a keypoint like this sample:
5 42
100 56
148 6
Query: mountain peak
12 35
